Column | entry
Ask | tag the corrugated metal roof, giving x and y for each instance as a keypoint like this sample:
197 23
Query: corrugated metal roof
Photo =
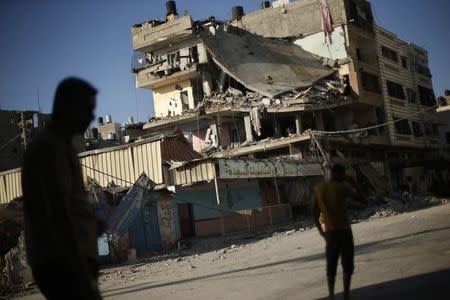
177 148
10 185
202 170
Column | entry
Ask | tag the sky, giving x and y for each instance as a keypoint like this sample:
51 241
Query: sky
43 41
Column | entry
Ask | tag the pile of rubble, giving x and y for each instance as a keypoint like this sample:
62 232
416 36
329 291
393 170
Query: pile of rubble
15 273
14 270
331 89
381 207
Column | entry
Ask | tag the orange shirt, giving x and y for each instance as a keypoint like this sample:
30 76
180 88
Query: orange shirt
331 198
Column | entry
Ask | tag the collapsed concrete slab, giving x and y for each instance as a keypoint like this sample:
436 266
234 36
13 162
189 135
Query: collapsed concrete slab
269 67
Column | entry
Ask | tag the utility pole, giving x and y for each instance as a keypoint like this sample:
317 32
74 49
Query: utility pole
23 124
38 101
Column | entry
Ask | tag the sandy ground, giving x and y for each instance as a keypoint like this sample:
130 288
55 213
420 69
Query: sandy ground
405 256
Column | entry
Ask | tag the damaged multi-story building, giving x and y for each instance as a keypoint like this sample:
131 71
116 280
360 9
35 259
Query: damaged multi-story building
250 112
291 78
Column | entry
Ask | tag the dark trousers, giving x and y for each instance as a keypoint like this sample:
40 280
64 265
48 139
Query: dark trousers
58 281
339 243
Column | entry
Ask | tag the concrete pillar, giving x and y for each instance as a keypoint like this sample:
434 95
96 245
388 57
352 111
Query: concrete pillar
319 120
298 123
248 129
215 135
207 83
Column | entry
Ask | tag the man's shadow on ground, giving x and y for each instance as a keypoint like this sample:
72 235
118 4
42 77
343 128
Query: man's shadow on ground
435 285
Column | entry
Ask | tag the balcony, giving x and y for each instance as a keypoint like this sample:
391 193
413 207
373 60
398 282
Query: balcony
149 79
149 36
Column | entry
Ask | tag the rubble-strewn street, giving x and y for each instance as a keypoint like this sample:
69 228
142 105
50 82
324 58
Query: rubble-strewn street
394 256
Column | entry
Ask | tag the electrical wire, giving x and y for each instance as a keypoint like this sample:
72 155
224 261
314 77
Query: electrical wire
10 141
313 132
174 195
316 132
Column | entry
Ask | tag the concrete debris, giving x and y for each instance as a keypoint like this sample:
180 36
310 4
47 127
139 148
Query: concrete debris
381 207
290 232
331 89
14 269
235 92
334 63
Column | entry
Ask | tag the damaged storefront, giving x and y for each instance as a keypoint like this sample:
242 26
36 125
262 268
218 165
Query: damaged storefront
224 196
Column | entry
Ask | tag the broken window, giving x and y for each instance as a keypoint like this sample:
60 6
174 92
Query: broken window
404 62
173 59
411 95
423 70
380 119
402 127
193 54
360 14
235 136
395 90
389 53
370 82
426 96
417 129
420 65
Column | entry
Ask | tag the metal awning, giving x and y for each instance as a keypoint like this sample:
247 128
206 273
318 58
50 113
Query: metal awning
225 168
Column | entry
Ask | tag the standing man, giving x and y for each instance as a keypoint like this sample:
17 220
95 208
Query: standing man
60 228
332 220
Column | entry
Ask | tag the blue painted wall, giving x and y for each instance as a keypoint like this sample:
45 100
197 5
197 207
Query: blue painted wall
144 230
236 197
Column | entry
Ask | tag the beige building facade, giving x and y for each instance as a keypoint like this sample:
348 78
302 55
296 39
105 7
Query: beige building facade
389 79
407 90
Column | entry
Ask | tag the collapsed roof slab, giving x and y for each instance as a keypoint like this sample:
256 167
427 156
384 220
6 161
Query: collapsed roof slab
288 106
263 146
195 116
269 67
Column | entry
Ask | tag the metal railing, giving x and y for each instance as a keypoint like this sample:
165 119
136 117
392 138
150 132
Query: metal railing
254 219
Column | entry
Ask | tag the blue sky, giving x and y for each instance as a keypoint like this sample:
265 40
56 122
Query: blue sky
43 41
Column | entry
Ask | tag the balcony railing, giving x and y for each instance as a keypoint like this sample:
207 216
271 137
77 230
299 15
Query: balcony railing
147 37
147 78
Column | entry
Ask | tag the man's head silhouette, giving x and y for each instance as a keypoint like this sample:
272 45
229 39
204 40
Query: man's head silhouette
73 106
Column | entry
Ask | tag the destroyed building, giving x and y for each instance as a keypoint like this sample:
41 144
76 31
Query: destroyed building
250 112
268 83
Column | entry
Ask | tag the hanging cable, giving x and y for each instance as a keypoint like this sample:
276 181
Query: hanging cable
10 141
317 132
174 195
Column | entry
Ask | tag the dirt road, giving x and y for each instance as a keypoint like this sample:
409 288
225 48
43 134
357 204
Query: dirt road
401 257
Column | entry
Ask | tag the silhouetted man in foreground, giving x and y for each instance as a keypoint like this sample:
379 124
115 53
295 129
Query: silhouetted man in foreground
331 217
60 228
